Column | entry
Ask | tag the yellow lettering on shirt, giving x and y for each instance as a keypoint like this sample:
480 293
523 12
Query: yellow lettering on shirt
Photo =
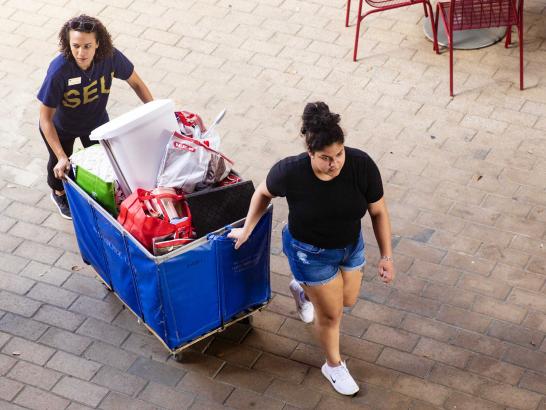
103 88
71 99
88 91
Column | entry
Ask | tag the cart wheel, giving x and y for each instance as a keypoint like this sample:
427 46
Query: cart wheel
247 320
178 357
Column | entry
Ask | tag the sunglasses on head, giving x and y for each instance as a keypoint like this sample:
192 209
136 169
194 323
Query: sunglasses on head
79 25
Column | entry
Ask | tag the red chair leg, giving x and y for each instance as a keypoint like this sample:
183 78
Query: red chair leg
348 12
520 35
508 36
358 21
436 47
450 66
434 31
425 9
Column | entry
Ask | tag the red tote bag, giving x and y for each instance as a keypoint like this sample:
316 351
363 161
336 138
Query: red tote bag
137 217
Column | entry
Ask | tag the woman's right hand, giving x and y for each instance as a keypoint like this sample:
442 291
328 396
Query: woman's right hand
386 270
61 168
239 235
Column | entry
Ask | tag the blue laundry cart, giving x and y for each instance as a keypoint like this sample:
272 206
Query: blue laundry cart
186 295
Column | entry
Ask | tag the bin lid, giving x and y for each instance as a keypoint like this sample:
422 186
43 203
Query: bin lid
133 119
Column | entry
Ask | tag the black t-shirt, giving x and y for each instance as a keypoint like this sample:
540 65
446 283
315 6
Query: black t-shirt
326 214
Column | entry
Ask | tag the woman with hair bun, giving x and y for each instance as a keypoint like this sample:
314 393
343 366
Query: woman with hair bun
74 94
329 188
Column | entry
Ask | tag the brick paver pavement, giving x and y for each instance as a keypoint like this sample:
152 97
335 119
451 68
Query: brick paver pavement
463 326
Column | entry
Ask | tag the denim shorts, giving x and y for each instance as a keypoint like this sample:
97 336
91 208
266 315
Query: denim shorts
313 266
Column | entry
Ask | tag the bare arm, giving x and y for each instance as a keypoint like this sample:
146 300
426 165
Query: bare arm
258 205
140 88
382 230
52 138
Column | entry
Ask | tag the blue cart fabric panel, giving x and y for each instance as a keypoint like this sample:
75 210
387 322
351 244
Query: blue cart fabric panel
119 266
180 296
245 272
87 232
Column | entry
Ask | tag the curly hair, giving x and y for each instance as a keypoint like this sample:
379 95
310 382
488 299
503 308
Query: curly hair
106 48
320 127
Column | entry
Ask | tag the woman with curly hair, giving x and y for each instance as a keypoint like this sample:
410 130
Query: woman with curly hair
74 94
328 188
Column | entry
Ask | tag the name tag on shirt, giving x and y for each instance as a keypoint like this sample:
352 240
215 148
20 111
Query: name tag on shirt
74 81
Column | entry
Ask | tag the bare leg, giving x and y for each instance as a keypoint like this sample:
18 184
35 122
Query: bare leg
328 303
352 280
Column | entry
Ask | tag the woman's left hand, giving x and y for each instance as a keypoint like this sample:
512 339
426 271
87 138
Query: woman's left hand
239 235
386 270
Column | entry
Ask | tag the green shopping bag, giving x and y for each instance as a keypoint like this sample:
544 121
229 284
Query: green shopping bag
101 191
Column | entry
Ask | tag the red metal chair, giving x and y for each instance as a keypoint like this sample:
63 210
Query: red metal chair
458 15
382 5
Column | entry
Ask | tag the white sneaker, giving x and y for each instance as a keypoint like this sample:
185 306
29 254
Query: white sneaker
340 378
305 308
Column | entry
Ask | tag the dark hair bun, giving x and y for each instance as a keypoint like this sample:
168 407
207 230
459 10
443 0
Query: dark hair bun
317 117
320 127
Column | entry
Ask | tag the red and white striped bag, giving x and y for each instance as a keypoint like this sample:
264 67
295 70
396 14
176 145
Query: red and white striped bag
189 164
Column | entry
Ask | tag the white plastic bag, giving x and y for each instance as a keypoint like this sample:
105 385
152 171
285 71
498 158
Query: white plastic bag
192 125
189 164
94 160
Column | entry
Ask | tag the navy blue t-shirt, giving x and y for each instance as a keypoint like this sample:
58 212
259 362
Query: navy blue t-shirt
78 96
326 214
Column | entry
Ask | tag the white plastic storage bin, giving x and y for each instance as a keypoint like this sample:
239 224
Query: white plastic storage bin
135 142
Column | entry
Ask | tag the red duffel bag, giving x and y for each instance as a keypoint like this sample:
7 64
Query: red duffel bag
144 215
